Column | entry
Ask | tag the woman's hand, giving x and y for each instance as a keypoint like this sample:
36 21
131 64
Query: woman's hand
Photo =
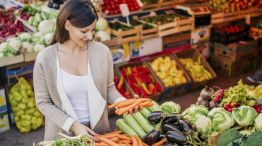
80 129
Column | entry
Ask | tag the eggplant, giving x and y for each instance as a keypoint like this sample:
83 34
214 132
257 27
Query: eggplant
171 118
152 137
184 126
176 137
169 127
162 136
155 117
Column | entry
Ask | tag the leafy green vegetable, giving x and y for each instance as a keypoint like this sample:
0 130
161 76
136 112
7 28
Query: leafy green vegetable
258 122
221 119
244 115
255 139
228 137
203 124
170 107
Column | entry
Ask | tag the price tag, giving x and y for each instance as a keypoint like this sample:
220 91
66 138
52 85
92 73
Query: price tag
124 10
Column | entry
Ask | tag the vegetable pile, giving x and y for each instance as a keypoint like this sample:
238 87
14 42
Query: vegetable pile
10 48
168 71
141 80
26 115
120 86
196 70
9 24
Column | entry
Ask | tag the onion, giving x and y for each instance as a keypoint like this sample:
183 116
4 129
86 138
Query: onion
206 93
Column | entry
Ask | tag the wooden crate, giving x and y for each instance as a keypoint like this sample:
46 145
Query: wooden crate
146 33
227 68
154 97
171 91
179 25
194 54
11 60
236 51
13 72
126 35
27 26
28 57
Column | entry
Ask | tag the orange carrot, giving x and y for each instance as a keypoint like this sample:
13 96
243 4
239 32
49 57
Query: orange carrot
159 143
139 141
110 135
114 105
126 109
125 103
124 137
146 104
105 140
134 141
124 141
115 139
145 99
101 144
116 132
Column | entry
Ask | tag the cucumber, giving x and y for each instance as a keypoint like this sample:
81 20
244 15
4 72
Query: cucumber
124 127
155 107
143 122
145 112
130 120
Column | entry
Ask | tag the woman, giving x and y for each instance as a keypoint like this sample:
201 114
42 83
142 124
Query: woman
73 78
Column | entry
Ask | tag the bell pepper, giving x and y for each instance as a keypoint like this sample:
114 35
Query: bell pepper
145 89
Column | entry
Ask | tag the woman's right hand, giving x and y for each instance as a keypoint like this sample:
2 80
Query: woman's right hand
80 129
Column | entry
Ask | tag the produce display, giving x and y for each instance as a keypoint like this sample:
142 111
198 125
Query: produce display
120 86
119 26
163 19
196 70
10 48
26 115
232 5
30 1
10 26
141 80
145 26
55 3
123 107
110 7
103 31
167 70
39 16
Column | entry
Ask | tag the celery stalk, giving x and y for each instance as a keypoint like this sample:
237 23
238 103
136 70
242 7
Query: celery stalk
124 127
143 122
130 120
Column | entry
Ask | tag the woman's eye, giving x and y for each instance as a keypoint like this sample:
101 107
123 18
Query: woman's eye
83 31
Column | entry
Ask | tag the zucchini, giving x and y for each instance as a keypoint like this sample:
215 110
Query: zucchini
125 128
130 120
145 112
155 107
143 122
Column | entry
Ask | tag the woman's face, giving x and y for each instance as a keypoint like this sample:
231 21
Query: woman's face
80 36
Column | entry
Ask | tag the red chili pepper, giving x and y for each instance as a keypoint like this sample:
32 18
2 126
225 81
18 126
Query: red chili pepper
145 89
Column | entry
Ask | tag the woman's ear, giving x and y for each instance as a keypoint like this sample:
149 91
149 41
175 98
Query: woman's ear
67 25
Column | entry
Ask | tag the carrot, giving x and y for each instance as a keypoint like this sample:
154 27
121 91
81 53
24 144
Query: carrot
126 109
105 140
101 144
146 104
125 103
115 139
125 141
113 105
124 137
110 135
139 141
134 141
159 143
145 99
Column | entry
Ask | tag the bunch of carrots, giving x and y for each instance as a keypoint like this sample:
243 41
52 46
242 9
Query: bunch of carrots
118 139
130 105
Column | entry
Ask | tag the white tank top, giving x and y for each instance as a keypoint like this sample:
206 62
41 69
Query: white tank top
76 89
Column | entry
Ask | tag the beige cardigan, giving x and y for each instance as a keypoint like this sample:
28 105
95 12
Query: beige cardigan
54 104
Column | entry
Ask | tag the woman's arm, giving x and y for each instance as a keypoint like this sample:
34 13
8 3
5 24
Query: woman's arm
112 93
44 101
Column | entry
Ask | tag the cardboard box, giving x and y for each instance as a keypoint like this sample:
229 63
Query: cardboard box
146 47
4 122
3 105
120 53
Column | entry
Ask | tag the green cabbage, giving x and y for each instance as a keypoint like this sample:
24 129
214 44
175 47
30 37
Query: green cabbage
258 122
171 107
203 124
196 109
221 119
244 115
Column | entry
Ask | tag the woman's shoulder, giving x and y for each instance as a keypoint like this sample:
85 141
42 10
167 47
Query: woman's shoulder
46 53
98 46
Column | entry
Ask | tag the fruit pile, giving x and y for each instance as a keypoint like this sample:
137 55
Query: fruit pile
111 7
9 24
140 80
26 115
196 70
121 87
168 71
232 5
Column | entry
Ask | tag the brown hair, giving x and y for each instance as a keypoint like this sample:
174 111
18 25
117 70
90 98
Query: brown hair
80 13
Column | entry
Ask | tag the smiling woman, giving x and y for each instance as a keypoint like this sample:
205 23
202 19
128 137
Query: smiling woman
73 78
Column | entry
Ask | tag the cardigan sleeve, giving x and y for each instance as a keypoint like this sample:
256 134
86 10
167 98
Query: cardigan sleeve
112 93
44 101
